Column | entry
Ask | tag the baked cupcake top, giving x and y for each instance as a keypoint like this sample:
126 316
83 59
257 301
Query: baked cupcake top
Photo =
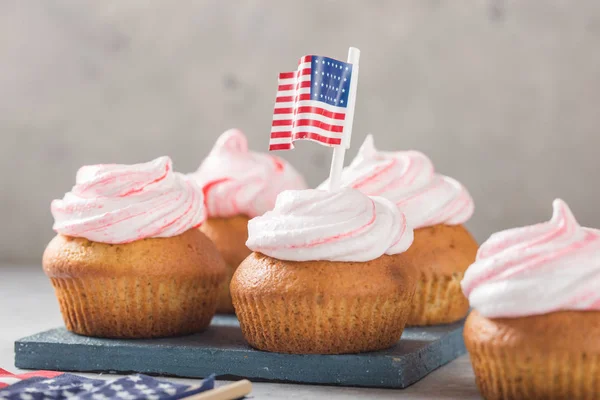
237 181
345 225
408 179
537 269
114 203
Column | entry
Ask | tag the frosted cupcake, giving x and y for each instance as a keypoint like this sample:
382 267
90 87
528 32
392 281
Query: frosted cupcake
437 206
534 332
325 276
128 260
239 184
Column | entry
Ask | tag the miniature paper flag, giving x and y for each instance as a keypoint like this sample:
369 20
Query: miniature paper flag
311 103
7 378
53 385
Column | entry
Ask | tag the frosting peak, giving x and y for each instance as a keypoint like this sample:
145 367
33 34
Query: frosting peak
112 203
537 269
408 179
237 181
344 225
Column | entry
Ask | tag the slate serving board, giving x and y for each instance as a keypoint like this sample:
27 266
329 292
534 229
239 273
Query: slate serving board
222 349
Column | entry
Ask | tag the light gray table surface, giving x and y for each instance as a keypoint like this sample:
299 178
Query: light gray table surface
28 306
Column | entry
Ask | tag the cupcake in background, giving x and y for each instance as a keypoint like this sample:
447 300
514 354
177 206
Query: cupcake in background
238 185
436 206
325 276
128 260
535 329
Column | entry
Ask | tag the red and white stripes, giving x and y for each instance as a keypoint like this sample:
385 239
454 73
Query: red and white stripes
8 378
297 116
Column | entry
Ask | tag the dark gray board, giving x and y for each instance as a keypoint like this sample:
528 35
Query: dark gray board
222 350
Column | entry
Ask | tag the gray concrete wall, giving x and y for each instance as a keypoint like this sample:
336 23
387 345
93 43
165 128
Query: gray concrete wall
503 96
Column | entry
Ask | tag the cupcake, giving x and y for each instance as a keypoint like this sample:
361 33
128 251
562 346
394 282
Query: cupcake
128 260
239 184
323 277
436 206
535 329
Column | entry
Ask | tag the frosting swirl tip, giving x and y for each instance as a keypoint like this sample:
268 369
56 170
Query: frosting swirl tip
537 269
115 203
408 178
238 181
344 225
231 141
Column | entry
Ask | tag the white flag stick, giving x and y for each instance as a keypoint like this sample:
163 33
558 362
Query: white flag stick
337 160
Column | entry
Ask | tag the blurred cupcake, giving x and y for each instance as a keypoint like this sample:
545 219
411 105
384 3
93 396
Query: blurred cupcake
128 261
436 206
321 278
239 184
534 332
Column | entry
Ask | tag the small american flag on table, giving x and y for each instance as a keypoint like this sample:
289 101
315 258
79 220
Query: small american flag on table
311 103
49 385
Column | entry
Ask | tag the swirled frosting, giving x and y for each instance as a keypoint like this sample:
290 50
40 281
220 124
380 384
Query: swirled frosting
123 203
408 179
344 225
537 269
237 181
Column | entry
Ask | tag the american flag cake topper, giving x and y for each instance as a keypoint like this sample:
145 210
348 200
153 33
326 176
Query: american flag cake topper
313 103
316 102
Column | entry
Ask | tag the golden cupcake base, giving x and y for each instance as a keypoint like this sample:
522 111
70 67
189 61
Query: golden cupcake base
551 356
229 236
438 300
441 254
136 307
321 307
148 288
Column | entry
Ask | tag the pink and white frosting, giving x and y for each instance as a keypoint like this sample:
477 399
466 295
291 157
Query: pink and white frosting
344 225
123 203
408 179
537 269
237 181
